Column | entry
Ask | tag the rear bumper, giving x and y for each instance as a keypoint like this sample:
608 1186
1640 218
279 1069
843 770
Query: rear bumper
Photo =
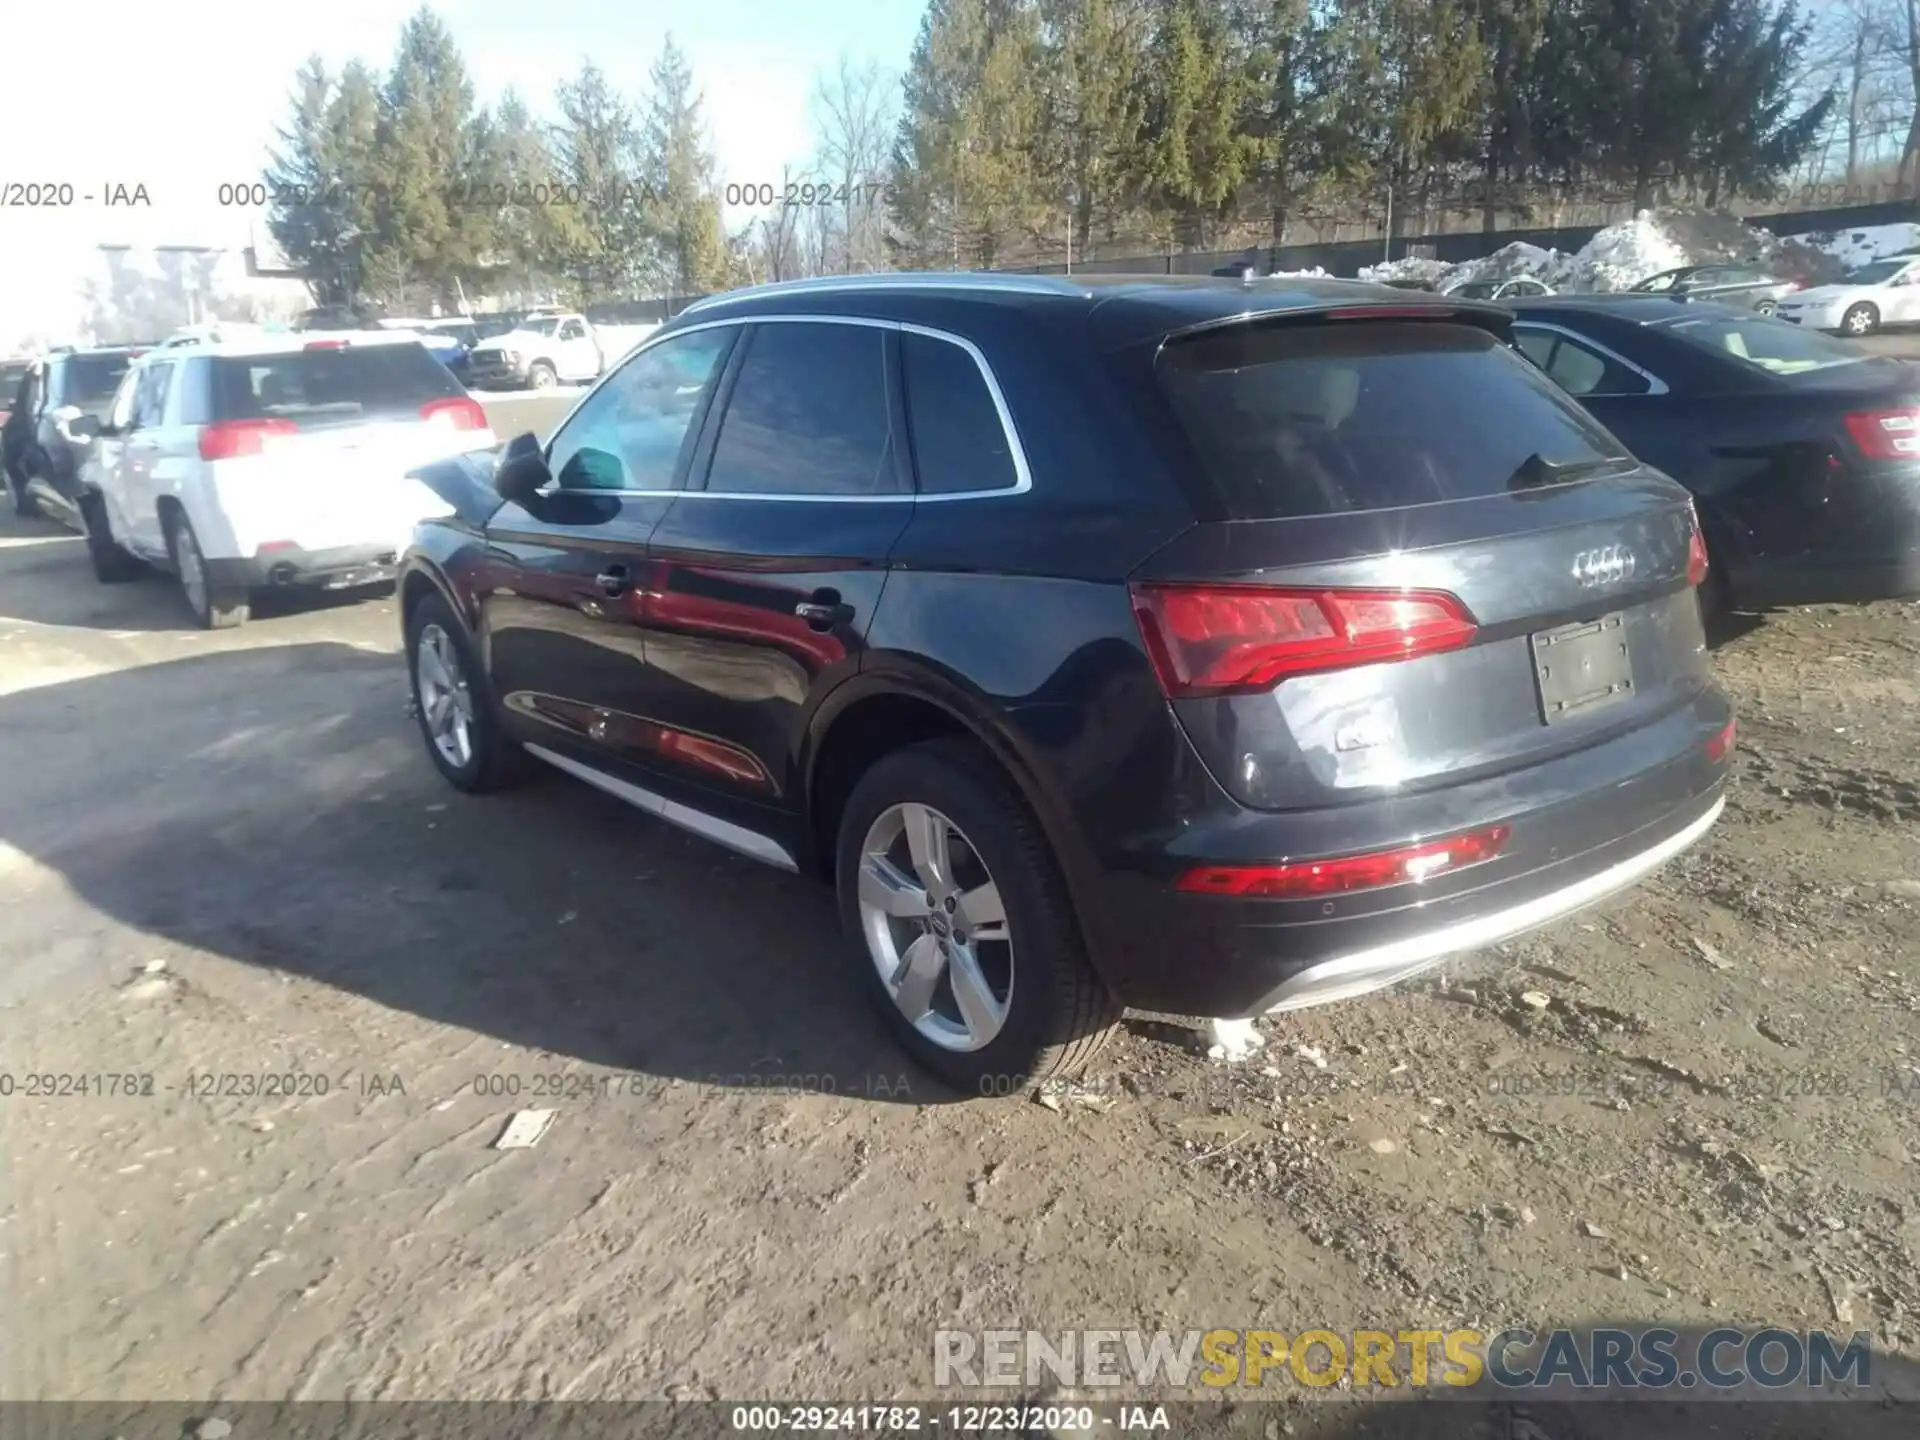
1583 826
1397 960
494 376
338 569
1774 586
1854 539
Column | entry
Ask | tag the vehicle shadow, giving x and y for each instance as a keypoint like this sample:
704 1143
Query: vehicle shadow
273 805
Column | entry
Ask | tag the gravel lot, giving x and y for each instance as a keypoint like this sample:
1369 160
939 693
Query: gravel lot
225 855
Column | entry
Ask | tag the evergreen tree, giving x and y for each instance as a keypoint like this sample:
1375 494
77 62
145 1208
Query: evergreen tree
321 181
678 168
1091 111
607 247
1196 154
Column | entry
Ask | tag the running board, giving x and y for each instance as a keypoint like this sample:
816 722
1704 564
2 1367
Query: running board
737 838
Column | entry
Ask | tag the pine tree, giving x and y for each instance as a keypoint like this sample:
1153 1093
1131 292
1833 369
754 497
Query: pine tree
607 249
678 168
1197 155
1092 111
322 180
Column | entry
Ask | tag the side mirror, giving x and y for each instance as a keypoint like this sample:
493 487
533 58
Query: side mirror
522 472
84 427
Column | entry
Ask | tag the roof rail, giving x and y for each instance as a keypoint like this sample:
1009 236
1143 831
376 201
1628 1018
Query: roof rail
897 280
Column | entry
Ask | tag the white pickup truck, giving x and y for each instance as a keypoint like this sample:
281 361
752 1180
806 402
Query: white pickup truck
541 351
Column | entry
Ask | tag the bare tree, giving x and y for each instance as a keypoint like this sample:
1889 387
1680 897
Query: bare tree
853 124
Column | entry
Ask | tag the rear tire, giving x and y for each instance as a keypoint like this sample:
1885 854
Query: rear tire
1766 307
542 376
485 758
1860 320
1033 994
215 609
112 565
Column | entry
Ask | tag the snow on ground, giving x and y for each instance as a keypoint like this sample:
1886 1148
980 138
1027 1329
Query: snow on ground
1857 247
1617 258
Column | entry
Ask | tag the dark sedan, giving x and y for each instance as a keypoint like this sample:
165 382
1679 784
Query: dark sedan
1747 285
1803 452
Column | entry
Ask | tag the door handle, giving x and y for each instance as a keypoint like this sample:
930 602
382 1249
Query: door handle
614 581
824 610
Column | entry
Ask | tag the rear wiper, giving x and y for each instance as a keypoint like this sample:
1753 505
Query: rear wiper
1536 470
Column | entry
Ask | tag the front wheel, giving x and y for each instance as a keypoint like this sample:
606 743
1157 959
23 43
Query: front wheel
958 911
215 607
542 376
1861 319
1767 307
454 705
111 564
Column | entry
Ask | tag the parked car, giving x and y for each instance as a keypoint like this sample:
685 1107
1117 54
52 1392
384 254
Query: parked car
540 352
1208 650
276 461
1748 285
75 386
1802 451
1519 287
1883 292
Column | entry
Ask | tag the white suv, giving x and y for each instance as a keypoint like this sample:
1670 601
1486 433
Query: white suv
265 461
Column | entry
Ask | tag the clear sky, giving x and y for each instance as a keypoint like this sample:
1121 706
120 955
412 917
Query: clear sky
179 97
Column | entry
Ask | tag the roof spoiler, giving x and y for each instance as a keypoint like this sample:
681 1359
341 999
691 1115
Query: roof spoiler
1479 313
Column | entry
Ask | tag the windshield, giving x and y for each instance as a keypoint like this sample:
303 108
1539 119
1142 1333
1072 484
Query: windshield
1877 273
1660 282
1477 290
1770 345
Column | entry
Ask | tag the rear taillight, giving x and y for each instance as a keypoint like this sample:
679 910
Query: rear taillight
235 439
1721 745
460 411
326 345
1222 639
1696 550
1887 434
1307 878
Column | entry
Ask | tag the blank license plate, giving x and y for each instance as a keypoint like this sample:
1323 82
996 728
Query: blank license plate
1582 668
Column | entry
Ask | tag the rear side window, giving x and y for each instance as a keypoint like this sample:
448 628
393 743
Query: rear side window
1577 368
341 385
959 441
1294 419
809 415
150 397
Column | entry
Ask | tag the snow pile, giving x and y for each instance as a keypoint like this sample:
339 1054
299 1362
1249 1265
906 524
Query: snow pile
1858 247
1316 273
1617 258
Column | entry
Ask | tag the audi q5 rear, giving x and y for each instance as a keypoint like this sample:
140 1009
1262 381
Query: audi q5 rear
1204 648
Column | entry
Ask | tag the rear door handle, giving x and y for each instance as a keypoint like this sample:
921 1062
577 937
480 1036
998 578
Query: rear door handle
824 610
614 581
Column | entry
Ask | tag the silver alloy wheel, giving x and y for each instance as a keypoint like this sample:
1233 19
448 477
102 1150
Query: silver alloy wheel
935 927
1858 321
193 571
446 703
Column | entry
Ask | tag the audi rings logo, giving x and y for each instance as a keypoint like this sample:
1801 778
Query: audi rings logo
1608 565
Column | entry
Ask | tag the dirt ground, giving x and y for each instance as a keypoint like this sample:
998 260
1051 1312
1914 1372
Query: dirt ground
225 856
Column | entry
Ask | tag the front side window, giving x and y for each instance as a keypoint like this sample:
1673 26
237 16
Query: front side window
810 414
629 434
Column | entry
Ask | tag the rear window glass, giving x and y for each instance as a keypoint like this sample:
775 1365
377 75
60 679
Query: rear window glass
1770 345
1296 419
330 386
90 380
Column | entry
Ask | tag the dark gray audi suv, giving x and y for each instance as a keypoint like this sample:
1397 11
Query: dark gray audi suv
1160 643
